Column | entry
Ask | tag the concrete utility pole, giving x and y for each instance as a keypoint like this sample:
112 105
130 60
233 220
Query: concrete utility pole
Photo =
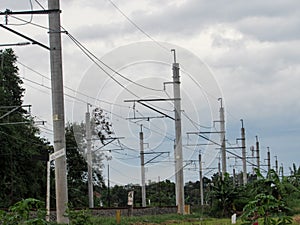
269 159
234 176
89 157
201 180
252 157
219 168
222 138
108 186
244 153
178 143
48 192
281 168
276 164
142 167
257 153
58 111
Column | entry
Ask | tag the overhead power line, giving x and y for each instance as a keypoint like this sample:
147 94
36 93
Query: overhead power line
90 55
71 89
137 27
112 113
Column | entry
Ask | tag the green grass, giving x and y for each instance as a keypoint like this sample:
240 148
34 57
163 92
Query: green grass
170 219
140 219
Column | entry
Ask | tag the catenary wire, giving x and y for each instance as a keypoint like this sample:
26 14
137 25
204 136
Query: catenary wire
71 89
136 26
82 47
82 101
154 40
25 21
125 15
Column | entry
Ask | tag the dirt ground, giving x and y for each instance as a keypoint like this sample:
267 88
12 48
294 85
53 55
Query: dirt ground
297 219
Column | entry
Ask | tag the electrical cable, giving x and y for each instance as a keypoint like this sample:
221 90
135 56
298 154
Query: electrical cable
136 26
94 61
71 89
84 49
82 101
19 139
133 178
193 122
152 39
25 22
40 4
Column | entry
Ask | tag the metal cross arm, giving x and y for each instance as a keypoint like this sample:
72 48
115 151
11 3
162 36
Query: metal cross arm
24 36
234 147
145 118
158 154
141 101
206 138
153 100
14 109
150 107
112 139
9 12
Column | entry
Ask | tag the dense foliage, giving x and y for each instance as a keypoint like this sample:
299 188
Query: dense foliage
21 213
22 172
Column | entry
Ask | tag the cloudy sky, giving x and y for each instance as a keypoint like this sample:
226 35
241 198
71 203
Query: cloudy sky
249 52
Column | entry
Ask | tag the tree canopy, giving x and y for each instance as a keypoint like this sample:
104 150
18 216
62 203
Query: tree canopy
22 174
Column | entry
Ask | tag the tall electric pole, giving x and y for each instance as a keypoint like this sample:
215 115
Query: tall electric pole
276 164
281 169
178 142
252 156
244 153
108 186
269 159
58 111
201 180
89 157
142 167
257 153
222 138
219 167
48 192
234 177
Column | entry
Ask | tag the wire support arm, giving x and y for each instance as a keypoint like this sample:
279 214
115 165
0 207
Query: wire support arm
158 154
24 36
9 12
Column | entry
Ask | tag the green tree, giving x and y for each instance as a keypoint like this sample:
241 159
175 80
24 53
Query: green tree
77 167
269 200
294 178
22 174
223 196
118 196
161 193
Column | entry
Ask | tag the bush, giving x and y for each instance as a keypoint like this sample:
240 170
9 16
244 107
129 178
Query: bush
20 213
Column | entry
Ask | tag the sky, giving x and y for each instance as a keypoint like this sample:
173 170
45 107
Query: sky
246 52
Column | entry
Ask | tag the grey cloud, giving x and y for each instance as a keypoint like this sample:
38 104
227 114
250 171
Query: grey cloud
262 60
270 28
195 15
14 5
103 31
266 20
